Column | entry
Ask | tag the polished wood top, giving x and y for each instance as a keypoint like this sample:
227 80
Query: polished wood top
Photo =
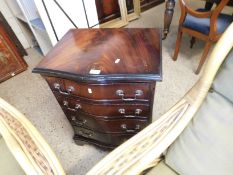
110 54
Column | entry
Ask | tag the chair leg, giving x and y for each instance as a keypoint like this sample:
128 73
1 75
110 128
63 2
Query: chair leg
178 42
192 42
203 57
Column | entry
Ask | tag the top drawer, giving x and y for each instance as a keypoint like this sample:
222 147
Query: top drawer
112 91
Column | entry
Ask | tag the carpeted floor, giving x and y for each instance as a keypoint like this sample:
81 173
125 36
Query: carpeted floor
31 95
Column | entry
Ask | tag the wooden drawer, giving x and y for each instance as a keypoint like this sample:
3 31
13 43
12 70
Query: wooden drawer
112 91
120 125
100 139
108 110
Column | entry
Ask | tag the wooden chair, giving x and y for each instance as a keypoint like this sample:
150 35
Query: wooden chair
150 146
202 24
22 148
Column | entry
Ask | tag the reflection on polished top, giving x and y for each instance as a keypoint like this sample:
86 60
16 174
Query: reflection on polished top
105 53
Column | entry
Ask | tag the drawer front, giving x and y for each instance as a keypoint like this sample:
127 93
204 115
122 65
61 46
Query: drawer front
104 109
111 140
108 110
106 126
113 91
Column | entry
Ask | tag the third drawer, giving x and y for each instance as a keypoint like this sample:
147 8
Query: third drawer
102 125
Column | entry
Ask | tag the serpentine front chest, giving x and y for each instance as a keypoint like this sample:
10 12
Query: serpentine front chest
104 80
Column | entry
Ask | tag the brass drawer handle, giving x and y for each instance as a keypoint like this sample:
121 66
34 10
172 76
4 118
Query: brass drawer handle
138 111
78 121
124 126
66 104
121 111
58 87
121 94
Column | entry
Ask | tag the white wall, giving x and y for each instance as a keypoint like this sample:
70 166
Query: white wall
73 8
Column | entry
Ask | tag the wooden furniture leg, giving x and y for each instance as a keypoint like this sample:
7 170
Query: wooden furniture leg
192 42
170 4
178 41
204 55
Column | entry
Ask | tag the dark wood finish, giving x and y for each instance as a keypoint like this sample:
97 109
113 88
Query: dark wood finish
210 38
98 91
10 33
109 9
11 63
168 14
169 10
98 124
106 108
98 53
147 4
103 140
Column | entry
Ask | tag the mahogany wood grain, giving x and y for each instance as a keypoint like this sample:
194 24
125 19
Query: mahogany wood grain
10 33
120 125
91 122
105 54
107 108
11 63
109 9
100 92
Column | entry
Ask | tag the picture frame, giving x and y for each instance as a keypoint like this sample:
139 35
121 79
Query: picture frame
124 19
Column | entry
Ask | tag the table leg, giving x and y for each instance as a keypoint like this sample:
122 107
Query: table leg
170 4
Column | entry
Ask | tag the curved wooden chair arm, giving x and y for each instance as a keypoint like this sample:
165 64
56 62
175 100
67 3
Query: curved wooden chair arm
26 144
185 8
213 14
145 148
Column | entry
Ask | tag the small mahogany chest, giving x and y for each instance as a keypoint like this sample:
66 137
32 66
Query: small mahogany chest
104 80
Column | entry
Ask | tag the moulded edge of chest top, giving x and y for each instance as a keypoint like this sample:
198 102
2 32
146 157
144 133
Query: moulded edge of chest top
100 78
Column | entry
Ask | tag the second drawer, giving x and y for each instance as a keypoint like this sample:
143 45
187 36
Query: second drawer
125 110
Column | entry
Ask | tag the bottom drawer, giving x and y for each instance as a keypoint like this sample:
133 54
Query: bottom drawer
99 124
100 139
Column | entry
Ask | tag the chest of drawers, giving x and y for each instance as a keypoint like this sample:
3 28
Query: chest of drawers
104 80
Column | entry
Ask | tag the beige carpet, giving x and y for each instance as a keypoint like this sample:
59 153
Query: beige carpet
31 95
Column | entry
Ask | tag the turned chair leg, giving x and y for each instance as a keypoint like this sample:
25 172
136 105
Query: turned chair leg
192 42
203 57
178 42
